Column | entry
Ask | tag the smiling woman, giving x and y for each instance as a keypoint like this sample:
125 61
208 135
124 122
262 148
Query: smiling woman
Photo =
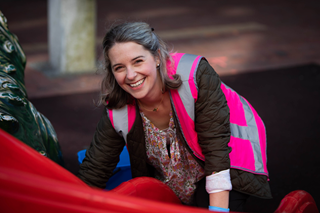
135 70
140 34
179 123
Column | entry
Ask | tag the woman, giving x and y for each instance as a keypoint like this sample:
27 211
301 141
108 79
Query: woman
173 116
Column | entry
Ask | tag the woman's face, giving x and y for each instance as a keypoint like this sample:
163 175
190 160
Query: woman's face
135 70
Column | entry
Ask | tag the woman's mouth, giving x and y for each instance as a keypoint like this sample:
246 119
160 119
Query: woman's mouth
138 83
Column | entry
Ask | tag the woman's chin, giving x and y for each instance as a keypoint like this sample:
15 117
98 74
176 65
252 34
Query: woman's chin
137 95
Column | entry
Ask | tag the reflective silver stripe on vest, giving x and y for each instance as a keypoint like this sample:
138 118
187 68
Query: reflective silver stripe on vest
183 69
120 121
249 132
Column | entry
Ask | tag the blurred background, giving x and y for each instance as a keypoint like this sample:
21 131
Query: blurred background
268 51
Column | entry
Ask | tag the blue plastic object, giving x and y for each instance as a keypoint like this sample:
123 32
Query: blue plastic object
122 172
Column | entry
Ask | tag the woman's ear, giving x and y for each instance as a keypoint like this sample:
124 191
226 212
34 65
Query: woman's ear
158 61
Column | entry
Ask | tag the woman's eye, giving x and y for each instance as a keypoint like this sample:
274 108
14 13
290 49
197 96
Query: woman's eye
117 68
138 61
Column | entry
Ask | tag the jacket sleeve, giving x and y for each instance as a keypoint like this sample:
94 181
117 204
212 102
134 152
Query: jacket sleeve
212 120
103 154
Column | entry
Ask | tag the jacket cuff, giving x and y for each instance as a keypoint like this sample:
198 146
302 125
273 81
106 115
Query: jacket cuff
219 182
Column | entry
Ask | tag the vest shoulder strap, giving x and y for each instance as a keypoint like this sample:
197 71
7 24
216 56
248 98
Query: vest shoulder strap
185 96
122 119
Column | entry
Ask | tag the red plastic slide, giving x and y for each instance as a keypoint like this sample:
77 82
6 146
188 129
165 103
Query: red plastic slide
298 201
30 182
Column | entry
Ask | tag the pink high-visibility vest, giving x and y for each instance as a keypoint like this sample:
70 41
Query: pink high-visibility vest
248 136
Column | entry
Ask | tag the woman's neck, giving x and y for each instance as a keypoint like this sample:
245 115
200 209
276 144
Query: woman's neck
153 103
161 117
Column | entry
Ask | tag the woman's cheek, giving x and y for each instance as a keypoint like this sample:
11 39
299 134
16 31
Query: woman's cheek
119 78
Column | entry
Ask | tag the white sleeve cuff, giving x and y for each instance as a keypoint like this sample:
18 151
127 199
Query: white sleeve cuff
218 182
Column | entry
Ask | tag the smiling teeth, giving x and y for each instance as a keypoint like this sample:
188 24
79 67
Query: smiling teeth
138 83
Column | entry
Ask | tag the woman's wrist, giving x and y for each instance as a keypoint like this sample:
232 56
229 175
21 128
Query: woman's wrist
219 199
218 209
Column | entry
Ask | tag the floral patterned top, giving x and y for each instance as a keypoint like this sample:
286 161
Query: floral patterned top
174 165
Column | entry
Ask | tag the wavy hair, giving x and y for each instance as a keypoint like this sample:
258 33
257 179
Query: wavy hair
111 94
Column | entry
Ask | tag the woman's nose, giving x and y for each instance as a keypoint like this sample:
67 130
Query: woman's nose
131 73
